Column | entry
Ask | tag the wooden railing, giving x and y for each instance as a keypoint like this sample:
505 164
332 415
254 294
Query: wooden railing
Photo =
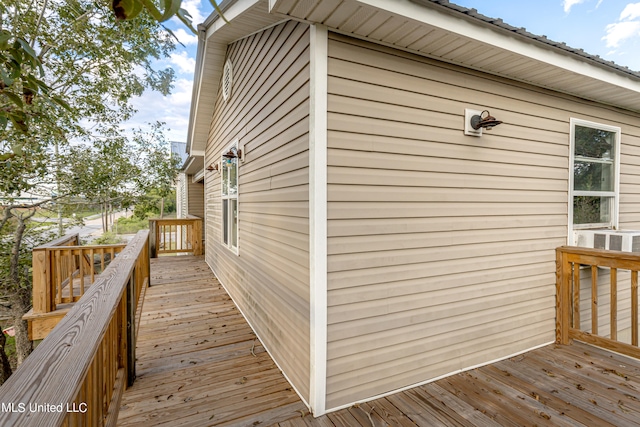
577 265
63 269
172 236
76 375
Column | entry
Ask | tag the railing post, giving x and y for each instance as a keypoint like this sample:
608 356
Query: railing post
196 237
43 296
153 238
563 297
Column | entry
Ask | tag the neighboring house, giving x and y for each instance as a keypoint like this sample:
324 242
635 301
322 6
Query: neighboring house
189 183
370 241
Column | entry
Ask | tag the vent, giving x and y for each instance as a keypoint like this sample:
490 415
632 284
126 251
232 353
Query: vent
227 80
613 240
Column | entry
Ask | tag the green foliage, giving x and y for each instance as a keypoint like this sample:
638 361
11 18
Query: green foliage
130 9
83 57
149 205
132 225
108 238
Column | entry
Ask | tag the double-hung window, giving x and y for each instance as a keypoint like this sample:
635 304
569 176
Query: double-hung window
230 197
594 182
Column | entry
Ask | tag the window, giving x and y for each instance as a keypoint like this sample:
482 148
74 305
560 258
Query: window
594 182
230 197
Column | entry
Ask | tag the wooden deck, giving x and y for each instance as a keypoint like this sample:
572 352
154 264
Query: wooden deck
196 366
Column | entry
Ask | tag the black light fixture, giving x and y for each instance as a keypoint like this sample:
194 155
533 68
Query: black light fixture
483 120
232 153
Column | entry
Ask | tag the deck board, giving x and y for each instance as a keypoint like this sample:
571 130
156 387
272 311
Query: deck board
195 364
199 364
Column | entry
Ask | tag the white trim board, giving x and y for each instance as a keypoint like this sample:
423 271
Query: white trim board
318 219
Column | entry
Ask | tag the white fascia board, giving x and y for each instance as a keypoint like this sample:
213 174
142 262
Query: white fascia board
490 36
195 91
318 218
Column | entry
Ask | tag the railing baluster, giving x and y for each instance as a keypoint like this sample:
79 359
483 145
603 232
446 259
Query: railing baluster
614 304
56 262
71 271
576 296
568 261
81 270
634 307
594 299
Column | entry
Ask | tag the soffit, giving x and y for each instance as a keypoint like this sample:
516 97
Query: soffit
439 29
246 17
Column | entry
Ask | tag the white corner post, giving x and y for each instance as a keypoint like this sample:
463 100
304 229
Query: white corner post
318 218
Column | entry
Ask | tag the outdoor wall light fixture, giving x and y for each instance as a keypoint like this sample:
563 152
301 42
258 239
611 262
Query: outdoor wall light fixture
212 167
486 121
475 121
233 153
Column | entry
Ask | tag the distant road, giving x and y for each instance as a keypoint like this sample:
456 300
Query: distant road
93 227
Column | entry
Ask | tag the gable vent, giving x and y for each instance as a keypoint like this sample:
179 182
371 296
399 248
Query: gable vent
227 80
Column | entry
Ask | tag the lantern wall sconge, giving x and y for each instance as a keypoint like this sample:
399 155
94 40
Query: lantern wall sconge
233 153
213 167
475 121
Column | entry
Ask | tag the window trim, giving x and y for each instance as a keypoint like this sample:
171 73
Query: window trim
615 194
235 249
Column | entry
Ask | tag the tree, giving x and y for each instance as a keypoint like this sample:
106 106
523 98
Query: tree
130 9
68 71
104 173
160 166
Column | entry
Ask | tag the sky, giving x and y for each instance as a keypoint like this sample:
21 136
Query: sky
608 28
173 110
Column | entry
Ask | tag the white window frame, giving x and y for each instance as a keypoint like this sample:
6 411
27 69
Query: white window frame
615 195
228 225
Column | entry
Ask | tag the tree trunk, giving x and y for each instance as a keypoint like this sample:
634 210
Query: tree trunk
20 298
20 304
5 366
162 208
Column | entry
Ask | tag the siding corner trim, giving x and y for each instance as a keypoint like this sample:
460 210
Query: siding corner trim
318 218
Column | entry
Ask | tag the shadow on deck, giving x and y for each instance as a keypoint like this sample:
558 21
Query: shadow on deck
199 363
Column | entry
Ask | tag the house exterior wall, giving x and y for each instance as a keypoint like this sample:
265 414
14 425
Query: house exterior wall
195 197
441 246
267 113
181 195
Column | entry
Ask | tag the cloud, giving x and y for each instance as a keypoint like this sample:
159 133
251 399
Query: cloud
193 7
621 31
628 26
631 11
568 4
183 62
185 37
172 109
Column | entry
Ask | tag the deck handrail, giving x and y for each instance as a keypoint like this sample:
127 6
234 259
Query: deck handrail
568 263
77 374
57 263
175 235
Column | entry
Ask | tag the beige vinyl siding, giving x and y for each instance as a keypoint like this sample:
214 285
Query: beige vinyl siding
623 326
181 195
441 246
195 197
268 114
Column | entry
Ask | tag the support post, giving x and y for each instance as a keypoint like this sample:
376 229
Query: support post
153 238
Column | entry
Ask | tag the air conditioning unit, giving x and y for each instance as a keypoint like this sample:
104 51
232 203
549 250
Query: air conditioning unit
613 240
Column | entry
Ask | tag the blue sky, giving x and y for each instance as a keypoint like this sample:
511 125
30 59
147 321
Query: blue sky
609 28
